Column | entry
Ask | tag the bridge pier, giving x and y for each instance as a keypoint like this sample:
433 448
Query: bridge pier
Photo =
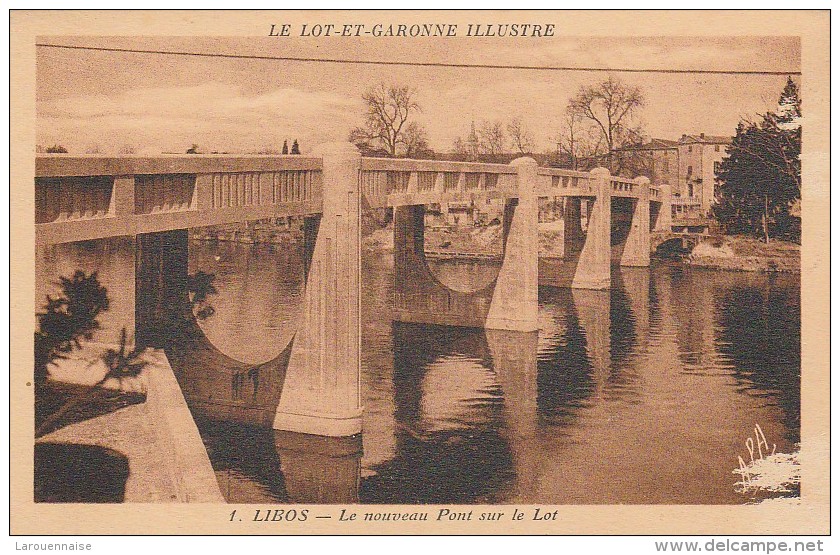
637 247
593 265
313 386
514 305
321 392
508 303
662 219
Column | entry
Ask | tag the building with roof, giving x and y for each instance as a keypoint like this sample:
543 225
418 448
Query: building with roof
688 165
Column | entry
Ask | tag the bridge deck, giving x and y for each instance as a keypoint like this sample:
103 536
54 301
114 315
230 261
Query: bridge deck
82 198
90 197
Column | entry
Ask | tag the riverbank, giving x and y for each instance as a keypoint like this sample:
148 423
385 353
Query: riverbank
730 253
483 242
134 440
745 254
251 233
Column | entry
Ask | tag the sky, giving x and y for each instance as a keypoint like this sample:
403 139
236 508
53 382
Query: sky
152 103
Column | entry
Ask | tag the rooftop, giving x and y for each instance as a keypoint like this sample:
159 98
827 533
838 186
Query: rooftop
665 144
705 139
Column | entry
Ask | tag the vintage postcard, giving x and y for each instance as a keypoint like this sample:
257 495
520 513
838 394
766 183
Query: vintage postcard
420 272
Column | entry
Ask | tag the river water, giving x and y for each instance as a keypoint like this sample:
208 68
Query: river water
642 394
645 393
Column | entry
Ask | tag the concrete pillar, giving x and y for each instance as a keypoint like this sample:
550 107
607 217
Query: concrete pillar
637 248
514 303
321 391
593 265
663 217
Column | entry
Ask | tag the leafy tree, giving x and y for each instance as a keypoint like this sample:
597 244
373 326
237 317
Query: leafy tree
73 316
193 149
387 129
285 147
760 178
67 319
295 147
56 149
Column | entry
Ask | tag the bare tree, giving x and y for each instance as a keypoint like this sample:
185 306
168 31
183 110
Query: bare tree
520 138
387 129
491 136
610 106
578 141
415 141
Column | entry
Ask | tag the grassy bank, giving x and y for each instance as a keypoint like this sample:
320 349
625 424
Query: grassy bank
746 254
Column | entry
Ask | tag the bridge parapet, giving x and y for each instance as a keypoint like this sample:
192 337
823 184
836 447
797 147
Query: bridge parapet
655 194
556 182
405 182
623 187
92 197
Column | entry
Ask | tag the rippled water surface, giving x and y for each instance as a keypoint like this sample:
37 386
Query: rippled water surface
641 394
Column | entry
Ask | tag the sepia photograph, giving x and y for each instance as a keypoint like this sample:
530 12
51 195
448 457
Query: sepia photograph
422 269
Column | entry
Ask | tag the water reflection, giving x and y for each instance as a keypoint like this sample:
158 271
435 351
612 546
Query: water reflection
263 465
566 375
760 333
641 394
261 284
448 418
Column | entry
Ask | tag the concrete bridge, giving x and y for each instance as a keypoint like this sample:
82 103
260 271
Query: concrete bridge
313 386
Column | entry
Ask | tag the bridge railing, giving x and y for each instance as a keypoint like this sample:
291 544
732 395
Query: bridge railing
89 197
623 187
559 182
685 201
397 181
